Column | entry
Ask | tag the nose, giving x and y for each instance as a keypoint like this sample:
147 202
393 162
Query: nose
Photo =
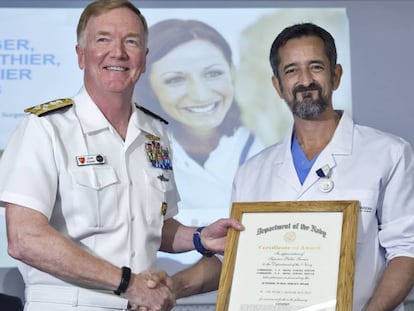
305 77
198 89
118 49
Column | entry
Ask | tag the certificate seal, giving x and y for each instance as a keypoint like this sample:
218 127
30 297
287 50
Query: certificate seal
289 236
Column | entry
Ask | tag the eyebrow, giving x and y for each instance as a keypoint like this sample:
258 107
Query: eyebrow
317 61
130 34
314 61
134 34
103 33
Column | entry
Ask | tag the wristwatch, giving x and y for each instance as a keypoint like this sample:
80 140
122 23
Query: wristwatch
125 278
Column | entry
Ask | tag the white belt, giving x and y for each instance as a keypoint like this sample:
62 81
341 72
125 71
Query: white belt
75 296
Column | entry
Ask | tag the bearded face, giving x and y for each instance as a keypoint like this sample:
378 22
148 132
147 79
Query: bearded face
306 104
306 79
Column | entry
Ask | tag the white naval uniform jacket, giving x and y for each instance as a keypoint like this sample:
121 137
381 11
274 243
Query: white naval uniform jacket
373 167
114 209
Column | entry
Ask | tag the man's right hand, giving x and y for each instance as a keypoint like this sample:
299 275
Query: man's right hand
150 290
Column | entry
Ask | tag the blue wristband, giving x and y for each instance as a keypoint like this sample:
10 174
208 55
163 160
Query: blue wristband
198 246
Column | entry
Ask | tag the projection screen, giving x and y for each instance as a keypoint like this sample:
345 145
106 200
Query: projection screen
39 64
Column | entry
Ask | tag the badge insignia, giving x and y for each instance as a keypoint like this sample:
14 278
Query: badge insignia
152 137
158 155
163 178
324 171
326 185
46 108
164 208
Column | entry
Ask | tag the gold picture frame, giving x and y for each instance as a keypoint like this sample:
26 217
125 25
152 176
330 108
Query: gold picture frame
288 255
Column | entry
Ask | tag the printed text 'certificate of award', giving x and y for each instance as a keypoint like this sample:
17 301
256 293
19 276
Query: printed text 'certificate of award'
291 256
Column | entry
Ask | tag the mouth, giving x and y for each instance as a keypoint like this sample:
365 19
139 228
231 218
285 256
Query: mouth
306 90
116 68
307 94
203 109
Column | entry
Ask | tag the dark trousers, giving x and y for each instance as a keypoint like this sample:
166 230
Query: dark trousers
10 303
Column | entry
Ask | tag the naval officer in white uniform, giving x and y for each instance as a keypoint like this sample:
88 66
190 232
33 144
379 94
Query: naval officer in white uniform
88 185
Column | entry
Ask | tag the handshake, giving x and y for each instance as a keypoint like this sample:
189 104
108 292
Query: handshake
151 291
157 291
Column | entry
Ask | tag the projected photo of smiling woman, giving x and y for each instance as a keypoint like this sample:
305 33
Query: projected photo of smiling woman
189 82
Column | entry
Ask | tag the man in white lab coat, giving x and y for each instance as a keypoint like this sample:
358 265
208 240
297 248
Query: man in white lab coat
326 156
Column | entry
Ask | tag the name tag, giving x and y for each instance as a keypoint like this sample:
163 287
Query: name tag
95 159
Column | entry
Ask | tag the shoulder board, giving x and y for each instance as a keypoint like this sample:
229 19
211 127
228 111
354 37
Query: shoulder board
154 115
54 105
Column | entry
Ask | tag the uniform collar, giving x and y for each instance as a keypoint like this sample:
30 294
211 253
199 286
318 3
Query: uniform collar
145 122
91 118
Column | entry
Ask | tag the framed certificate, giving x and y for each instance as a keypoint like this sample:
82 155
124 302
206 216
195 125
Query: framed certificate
291 256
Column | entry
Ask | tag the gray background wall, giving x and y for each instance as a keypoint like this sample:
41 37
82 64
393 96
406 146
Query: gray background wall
382 64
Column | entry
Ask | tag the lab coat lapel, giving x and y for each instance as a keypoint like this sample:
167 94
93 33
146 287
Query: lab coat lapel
284 160
340 145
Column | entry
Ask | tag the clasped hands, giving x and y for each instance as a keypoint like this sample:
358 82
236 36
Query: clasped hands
151 291
154 290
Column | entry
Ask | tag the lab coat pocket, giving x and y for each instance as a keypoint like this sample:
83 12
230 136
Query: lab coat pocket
95 195
367 211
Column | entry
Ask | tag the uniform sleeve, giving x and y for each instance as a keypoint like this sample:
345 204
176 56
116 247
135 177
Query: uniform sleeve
396 217
28 174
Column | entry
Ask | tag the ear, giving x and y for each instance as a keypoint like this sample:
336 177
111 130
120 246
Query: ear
277 86
145 60
337 77
81 56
